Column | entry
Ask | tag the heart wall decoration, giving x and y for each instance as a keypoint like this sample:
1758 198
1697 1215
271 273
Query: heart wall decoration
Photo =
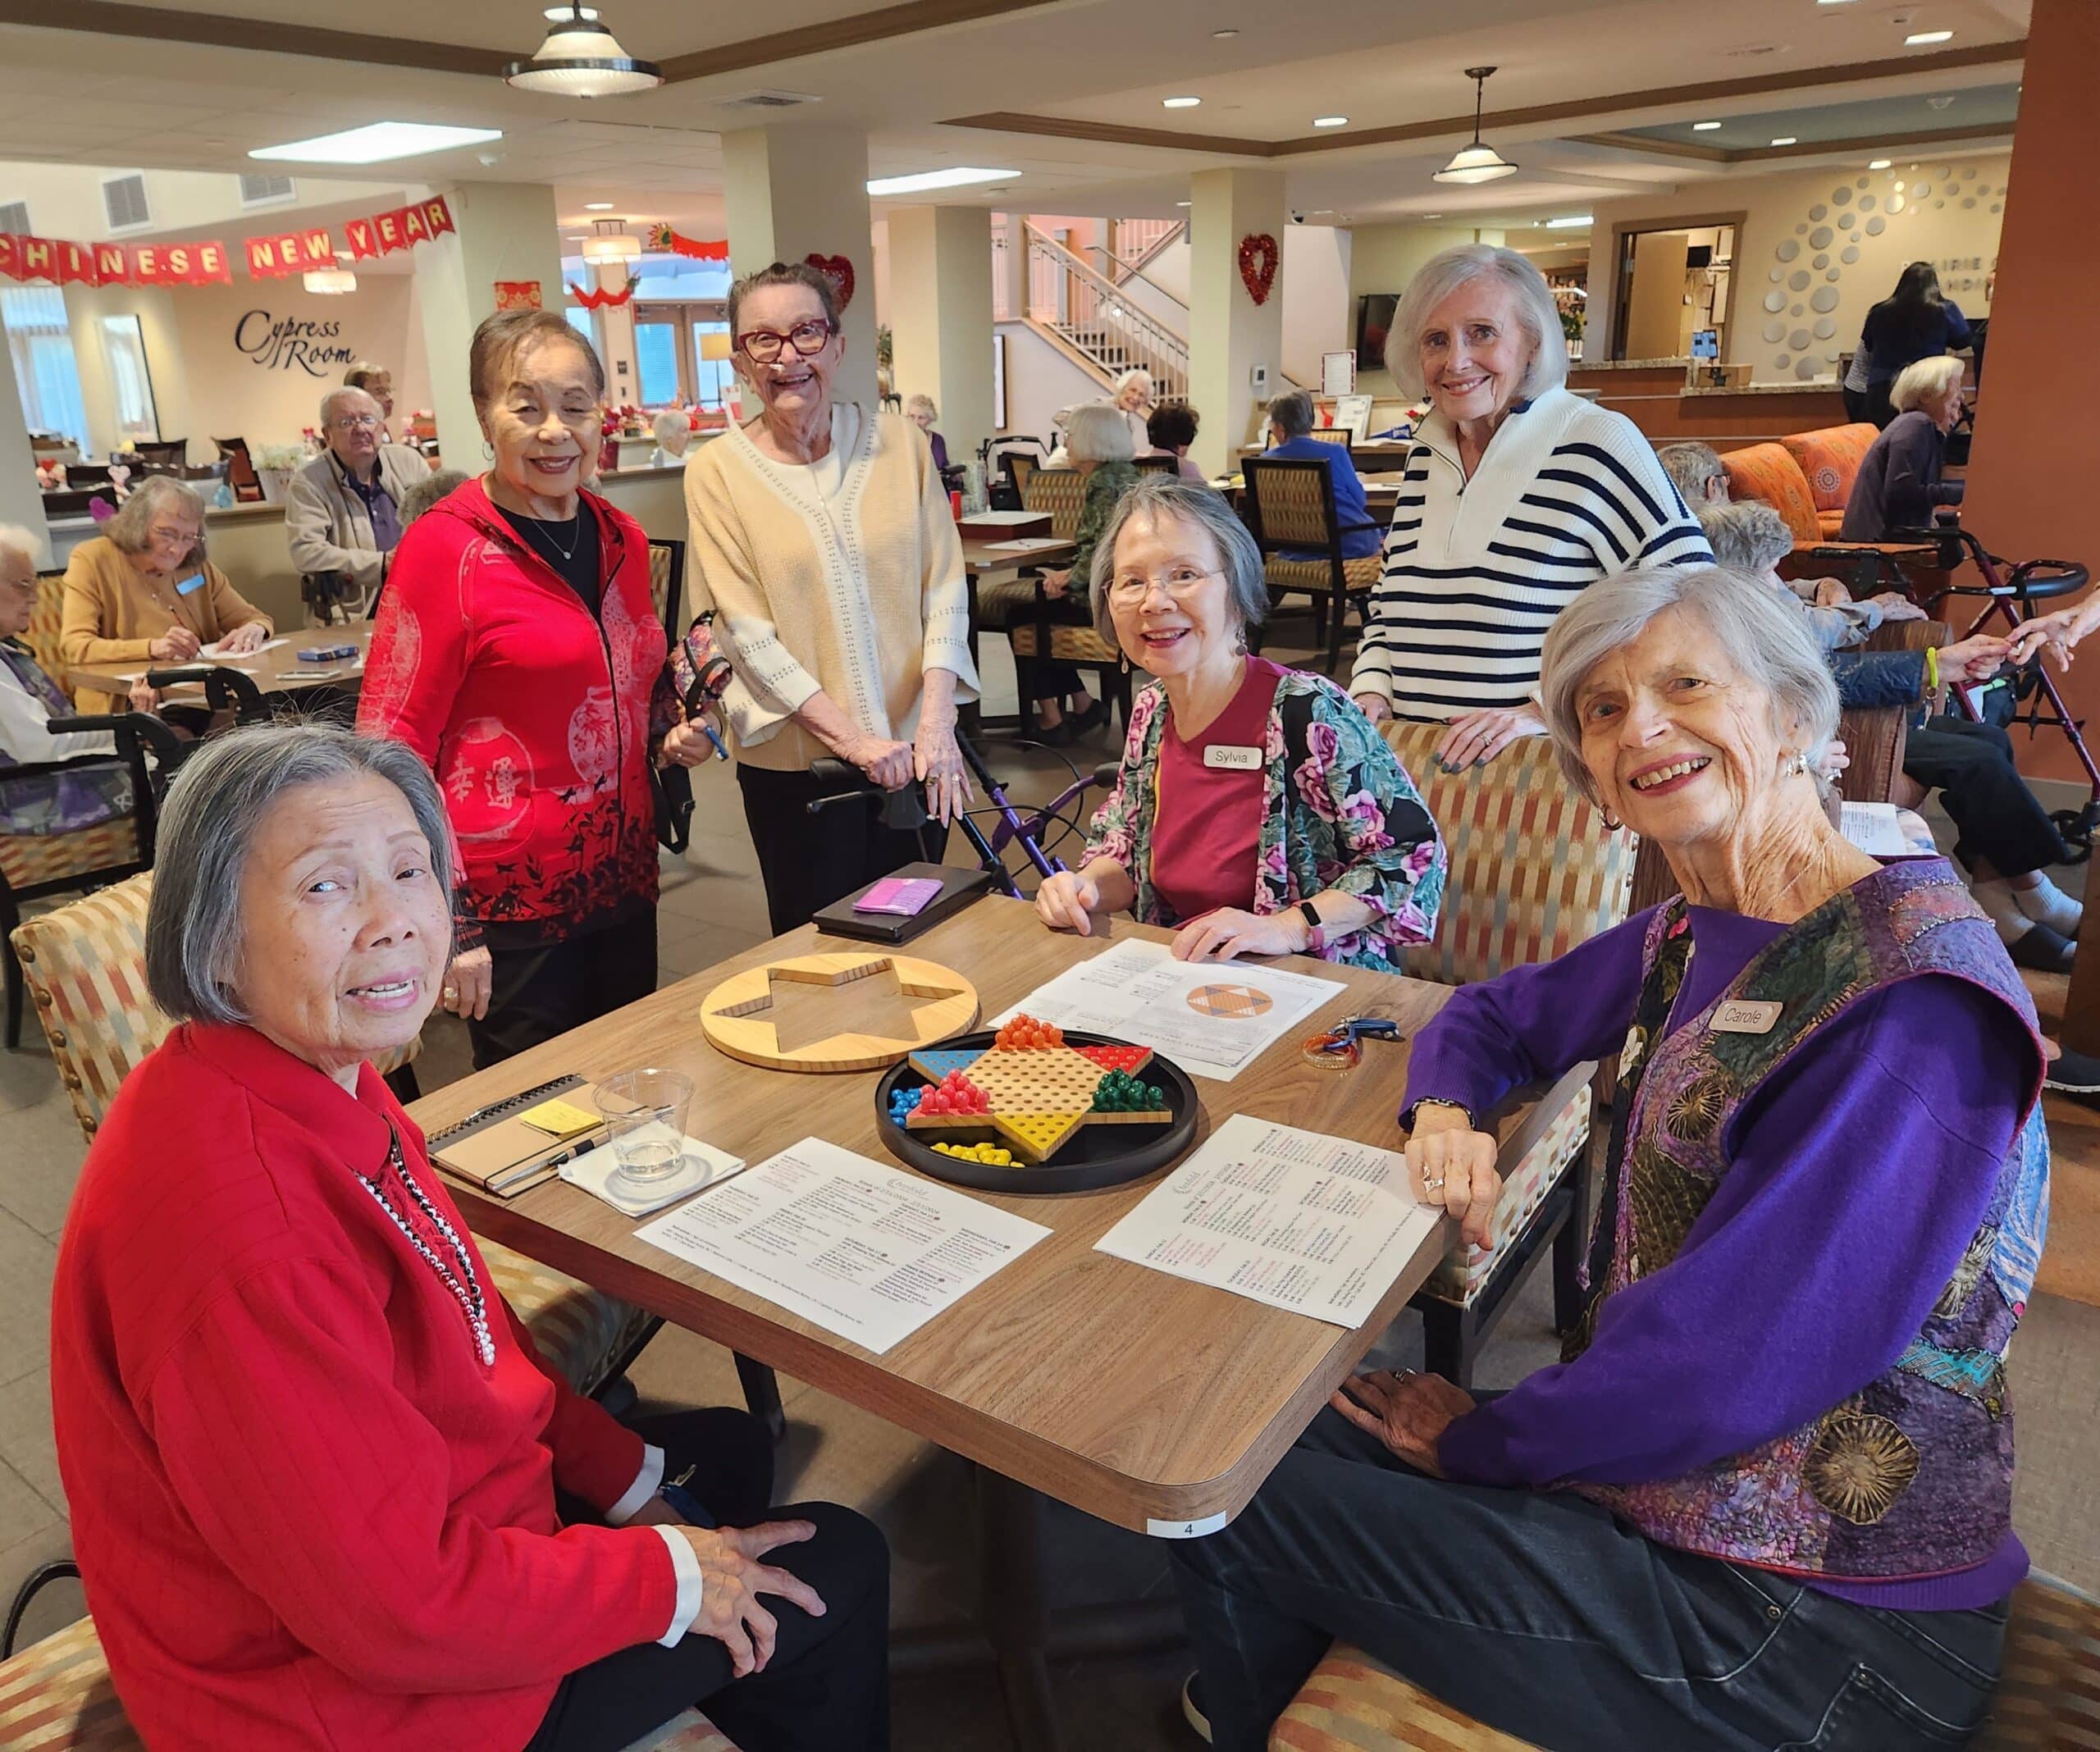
1258 257
838 271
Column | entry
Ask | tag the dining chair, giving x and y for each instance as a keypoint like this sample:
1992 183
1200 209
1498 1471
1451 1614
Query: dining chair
1290 505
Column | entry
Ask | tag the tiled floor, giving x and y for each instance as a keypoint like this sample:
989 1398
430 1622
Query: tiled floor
712 906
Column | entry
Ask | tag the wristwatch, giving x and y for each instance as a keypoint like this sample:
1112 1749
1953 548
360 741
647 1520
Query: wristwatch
1318 938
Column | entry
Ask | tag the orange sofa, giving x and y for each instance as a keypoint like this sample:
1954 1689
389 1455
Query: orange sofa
1806 477
1830 460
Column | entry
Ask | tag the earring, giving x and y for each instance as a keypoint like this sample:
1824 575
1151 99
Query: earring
1799 764
1612 822
1125 660
488 451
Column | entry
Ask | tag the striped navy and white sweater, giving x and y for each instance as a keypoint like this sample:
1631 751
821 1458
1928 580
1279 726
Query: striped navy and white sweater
1475 570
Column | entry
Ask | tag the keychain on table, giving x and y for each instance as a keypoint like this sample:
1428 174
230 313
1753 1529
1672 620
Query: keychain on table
1341 1047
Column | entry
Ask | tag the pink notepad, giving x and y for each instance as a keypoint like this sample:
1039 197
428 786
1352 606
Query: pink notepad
903 896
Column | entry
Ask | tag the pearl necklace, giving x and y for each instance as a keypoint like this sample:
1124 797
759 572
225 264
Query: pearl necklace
465 1287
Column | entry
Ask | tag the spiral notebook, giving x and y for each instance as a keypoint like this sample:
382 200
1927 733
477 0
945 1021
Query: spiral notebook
511 1145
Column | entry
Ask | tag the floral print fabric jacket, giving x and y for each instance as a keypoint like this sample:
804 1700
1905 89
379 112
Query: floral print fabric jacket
1338 812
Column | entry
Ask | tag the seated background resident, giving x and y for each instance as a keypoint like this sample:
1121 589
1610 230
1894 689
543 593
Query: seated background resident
1835 1177
39 803
324 1489
920 411
427 492
674 431
342 509
1173 429
1899 484
1304 835
377 382
1290 420
1695 471
142 591
1751 537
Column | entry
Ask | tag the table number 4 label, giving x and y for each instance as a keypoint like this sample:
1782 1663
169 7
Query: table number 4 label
1185 1529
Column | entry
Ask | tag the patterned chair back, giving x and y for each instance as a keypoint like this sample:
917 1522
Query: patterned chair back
85 963
667 572
1331 435
42 638
1061 492
1830 460
1291 502
1534 869
1768 471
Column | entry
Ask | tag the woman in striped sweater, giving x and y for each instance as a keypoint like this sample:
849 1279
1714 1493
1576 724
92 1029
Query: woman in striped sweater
1515 496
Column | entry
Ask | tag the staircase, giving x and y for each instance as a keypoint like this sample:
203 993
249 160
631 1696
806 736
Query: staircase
1093 321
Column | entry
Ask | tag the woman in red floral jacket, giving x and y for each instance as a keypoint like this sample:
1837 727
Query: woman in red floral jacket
519 653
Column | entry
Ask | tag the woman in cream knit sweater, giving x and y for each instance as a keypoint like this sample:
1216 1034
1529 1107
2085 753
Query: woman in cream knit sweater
825 545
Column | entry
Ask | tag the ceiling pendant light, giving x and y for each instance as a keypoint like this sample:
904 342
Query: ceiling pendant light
611 243
331 281
581 58
1476 163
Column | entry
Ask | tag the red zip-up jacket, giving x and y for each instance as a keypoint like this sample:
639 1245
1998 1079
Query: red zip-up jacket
534 716
306 1513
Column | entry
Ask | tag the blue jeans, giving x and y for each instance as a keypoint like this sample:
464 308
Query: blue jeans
1540 1615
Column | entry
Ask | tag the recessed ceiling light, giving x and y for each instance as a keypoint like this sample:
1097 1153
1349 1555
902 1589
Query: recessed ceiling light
1785 139
1919 38
1224 36
955 177
1180 102
1878 164
1834 2
1331 121
376 142
1704 127
1573 222
1180 204
597 206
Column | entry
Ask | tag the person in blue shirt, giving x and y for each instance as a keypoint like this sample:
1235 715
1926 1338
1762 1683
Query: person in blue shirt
1914 323
1290 419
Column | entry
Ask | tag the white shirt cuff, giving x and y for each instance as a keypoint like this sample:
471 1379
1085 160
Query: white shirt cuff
638 1493
687 1567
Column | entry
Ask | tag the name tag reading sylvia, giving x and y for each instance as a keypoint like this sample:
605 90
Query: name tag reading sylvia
1233 760
1742 1016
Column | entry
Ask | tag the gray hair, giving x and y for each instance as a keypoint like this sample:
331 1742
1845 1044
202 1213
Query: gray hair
670 424
128 530
1689 467
1290 414
1160 496
1135 374
14 539
1442 275
343 393
214 808
428 491
1098 432
1764 636
913 404
1924 381
1748 535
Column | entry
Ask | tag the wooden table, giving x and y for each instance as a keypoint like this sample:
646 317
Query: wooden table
274 671
1146 1401
1372 455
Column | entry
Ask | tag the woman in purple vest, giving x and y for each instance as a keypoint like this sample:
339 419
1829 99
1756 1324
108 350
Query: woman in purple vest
1765 1500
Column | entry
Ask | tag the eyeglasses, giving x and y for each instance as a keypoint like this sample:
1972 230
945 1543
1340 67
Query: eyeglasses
1180 583
764 345
358 422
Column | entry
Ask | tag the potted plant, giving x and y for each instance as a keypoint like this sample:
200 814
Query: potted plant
275 466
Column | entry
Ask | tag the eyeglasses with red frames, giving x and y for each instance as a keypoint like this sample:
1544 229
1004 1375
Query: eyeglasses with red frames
764 345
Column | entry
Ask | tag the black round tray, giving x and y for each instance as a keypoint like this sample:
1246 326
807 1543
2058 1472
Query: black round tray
1100 1156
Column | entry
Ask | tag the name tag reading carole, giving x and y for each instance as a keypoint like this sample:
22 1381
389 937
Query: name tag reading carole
1744 1017
1233 760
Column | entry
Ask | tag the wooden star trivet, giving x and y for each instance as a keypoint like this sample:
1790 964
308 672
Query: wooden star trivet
852 1011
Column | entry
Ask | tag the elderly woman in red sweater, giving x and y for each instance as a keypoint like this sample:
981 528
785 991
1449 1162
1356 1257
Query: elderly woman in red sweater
324 1492
518 651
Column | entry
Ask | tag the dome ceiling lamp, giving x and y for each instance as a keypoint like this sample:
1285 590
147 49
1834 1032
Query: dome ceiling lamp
611 243
581 58
1478 163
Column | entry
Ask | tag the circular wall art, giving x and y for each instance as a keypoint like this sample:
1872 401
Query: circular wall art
1820 238
1866 203
1799 310
1860 182
1783 361
1788 249
1968 171
1825 327
1823 297
1967 200
1798 279
1995 206
1798 340
1775 302
1817 211
1840 196
1804 369
1776 276
1775 331
1945 172
1876 226
1896 204
1820 261
1832 275
1937 205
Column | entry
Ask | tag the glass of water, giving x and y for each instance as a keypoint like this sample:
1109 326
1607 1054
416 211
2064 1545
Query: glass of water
646 1114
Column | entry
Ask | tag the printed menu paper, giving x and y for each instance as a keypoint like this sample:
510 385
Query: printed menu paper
1319 1225
1213 1018
867 1252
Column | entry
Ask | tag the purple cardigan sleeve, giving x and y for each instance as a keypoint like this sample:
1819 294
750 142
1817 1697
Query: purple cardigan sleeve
1861 1172
1532 1022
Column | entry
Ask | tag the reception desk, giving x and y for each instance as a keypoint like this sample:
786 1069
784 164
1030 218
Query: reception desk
248 543
1652 394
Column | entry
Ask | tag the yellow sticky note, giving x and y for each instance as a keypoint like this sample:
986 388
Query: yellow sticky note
560 1119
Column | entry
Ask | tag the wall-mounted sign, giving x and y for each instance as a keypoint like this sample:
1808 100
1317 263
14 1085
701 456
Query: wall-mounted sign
518 294
290 343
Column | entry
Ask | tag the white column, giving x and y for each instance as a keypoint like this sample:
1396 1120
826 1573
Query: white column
940 279
505 231
616 335
1229 334
21 499
795 192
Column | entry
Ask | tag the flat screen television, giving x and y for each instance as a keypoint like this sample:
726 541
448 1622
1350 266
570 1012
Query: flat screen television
1374 320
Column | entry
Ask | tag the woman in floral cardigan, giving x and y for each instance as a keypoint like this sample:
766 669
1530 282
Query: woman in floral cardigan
1257 808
